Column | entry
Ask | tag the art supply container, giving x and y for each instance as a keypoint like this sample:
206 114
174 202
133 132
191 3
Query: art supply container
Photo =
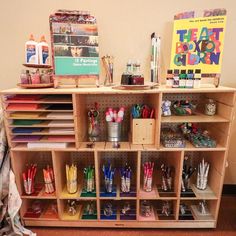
210 107
185 186
72 186
94 128
147 184
146 209
114 131
108 185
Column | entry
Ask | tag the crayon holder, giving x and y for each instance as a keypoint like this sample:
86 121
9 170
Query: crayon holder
114 131
72 186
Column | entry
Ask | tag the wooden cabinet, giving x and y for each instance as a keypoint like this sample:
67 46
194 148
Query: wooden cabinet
67 110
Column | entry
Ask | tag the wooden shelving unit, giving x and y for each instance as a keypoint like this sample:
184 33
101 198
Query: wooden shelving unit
76 151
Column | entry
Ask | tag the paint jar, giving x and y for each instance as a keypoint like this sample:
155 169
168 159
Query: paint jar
197 79
176 79
190 79
169 79
182 79
24 78
210 107
35 77
45 77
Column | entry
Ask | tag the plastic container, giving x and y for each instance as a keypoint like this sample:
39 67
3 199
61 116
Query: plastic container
31 51
43 52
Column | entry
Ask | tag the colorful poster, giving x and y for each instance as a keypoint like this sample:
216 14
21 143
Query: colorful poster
198 44
74 46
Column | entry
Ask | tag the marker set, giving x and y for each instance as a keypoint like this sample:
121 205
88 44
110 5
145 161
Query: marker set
29 178
148 176
114 115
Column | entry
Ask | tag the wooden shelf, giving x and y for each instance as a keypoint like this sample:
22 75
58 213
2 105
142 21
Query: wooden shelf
199 118
41 195
79 153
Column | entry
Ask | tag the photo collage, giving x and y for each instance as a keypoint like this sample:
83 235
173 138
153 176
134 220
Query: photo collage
75 40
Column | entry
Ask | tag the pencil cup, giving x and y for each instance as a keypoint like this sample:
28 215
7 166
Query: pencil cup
125 185
108 185
202 182
29 189
147 184
93 129
114 131
72 186
49 187
185 186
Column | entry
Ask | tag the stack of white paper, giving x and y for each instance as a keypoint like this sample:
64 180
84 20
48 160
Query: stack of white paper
61 123
46 145
62 115
61 130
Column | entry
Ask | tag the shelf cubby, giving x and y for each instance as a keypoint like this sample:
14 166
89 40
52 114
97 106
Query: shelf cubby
216 170
20 162
118 160
81 160
171 159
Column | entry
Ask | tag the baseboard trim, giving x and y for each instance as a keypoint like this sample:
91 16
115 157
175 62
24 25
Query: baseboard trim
229 189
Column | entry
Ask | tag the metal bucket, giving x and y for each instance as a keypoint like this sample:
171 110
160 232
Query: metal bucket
113 131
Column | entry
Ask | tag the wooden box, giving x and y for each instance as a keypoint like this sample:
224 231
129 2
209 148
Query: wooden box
143 131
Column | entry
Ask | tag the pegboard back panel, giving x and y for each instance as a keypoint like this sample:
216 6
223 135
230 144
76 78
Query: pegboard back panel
182 96
115 101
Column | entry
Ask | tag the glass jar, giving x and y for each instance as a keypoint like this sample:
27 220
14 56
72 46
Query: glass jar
210 107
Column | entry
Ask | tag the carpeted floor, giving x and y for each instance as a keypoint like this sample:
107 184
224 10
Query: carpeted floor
226 227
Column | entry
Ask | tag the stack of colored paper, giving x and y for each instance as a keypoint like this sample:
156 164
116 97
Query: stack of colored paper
26 114
23 106
26 122
26 130
23 97
60 107
24 138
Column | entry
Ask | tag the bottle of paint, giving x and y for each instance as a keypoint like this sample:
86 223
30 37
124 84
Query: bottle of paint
190 79
31 51
43 51
176 79
182 79
169 79
197 78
